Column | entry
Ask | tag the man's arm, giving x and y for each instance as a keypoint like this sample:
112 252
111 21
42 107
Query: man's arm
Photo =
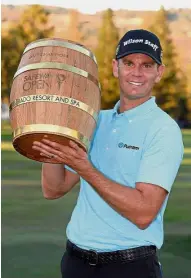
140 205
158 168
57 181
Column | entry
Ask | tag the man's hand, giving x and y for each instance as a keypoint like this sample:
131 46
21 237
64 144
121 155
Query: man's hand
73 156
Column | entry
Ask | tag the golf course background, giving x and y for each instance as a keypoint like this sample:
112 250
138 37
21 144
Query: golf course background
33 229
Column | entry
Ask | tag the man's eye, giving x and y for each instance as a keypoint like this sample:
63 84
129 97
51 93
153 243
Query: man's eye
127 64
147 66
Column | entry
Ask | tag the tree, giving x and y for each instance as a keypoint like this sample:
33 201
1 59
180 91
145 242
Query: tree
33 25
172 87
188 98
108 38
74 33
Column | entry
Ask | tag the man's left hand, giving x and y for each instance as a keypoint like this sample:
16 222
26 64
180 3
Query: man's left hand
71 155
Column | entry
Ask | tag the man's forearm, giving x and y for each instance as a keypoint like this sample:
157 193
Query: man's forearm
129 202
52 178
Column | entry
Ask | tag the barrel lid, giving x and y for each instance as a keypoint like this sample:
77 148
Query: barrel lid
61 43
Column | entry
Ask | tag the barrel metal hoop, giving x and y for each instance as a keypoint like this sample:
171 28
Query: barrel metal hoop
56 99
52 129
61 66
65 44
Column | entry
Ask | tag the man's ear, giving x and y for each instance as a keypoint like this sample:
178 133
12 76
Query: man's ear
161 69
115 68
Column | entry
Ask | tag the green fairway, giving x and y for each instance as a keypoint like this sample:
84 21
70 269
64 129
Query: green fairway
33 229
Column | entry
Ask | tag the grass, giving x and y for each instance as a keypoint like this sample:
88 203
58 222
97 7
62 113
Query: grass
33 229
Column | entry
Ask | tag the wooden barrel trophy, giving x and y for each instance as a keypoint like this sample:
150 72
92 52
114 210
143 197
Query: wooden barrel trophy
55 92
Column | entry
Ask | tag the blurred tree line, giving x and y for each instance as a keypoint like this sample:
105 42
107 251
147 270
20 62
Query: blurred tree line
33 25
171 93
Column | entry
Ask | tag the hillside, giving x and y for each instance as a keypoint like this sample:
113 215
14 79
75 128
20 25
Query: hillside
179 22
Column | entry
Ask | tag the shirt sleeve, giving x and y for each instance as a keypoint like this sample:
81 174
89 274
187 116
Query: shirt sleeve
162 157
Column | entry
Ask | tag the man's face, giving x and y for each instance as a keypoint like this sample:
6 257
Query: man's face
137 74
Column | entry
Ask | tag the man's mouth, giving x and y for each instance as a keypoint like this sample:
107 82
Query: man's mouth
136 83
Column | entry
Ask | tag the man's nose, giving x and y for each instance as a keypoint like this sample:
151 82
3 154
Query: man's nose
137 71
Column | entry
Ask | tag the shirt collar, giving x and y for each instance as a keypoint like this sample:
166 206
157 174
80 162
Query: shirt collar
141 109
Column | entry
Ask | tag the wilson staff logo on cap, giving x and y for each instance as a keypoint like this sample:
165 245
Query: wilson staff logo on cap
140 41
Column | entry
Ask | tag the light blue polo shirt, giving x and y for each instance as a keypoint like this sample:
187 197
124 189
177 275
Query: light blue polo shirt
143 144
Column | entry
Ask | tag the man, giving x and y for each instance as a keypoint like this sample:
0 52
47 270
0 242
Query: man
126 178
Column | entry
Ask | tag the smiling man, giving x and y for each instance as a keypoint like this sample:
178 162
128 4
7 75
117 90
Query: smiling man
125 179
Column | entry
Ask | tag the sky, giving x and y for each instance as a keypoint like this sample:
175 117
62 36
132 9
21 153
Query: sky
91 7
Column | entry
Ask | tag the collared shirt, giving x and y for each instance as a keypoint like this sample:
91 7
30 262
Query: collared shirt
143 144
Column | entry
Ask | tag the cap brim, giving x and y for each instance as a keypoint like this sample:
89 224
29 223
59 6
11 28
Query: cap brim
139 51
